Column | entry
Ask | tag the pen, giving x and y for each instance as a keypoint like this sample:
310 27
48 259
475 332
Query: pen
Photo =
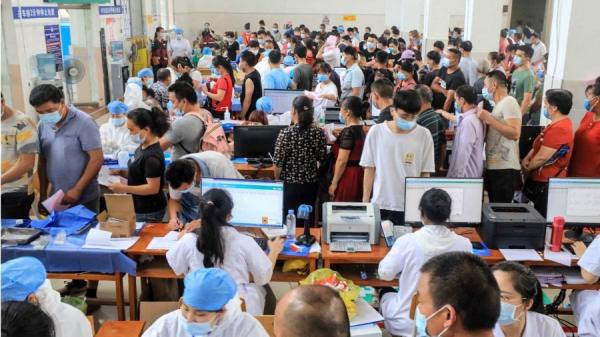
178 223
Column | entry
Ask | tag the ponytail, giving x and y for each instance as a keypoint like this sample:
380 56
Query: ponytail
305 110
154 119
216 205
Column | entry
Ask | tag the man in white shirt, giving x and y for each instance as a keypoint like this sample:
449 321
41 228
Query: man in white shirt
539 50
393 151
467 64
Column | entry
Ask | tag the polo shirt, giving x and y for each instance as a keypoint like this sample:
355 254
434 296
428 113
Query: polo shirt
65 151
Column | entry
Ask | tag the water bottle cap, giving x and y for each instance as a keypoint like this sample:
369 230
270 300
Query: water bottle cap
291 211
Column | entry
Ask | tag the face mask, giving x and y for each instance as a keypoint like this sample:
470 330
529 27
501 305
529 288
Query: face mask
517 60
586 105
163 35
546 113
261 41
421 323
507 313
179 36
389 50
343 61
302 36
197 329
117 121
135 138
178 112
540 73
322 78
275 30
255 52
457 109
401 76
370 45
404 125
342 119
486 94
445 62
50 118
149 82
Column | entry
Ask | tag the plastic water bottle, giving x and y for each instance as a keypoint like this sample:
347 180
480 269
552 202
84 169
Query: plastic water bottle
123 158
227 115
322 118
290 223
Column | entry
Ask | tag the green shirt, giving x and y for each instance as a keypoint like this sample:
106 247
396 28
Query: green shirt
523 81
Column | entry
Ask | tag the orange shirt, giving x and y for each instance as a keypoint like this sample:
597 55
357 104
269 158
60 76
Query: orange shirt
554 136
586 153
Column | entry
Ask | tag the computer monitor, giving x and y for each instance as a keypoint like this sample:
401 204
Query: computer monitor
341 71
282 98
466 194
332 115
575 199
247 212
255 141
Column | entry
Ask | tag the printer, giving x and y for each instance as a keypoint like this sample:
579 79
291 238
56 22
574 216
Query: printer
351 221
517 226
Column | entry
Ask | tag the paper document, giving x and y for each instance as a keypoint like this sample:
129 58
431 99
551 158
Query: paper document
572 276
365 314
99 239
563 258
106 179
521 255
275 232
165 243
54 203
583 202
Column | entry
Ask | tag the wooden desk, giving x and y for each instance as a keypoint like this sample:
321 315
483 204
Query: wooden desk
250 172
159 268
121 329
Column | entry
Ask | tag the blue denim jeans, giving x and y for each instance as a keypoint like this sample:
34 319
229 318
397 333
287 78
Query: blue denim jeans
151 217
190 208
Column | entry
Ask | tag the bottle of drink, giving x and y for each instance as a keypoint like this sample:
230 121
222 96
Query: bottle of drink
227 115
290 223
322 118
558 226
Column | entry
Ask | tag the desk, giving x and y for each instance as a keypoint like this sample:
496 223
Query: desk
248 171
159 268
121 329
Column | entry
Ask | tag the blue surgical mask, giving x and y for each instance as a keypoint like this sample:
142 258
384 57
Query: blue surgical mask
370 45
343 61
197 329
486 94
421 323
517 60
117 121
135 138
540 73
342 119
507 313
586 105
389 50
178 112
322 78
401 76
445 62
178 36
404 125
50 118
546 113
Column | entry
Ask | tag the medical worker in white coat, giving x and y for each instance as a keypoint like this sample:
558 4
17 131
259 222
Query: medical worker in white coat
586 303
217 244
209 306
410 252
114 133
522 304
24 279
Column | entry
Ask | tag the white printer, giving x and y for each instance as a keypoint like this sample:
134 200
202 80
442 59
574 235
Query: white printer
351 221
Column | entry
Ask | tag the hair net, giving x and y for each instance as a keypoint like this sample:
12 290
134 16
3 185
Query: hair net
21 277
331 43
208 289
206 51
146 72
117 107
178 31
408 54
196 75
340 29
288 60
135 80
265 104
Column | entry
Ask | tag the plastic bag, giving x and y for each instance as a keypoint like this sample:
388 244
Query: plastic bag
346 288
71 221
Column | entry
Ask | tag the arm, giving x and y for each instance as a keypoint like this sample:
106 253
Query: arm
320 52
23 165
332 97
589 277
540 158
164 143
248 98
435 86
449 100
340 167
368 180
90 173
356 91
217 97
174 206
526 102
151 187
43 177
511 129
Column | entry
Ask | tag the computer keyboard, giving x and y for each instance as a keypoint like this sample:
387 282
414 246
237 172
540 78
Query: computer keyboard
350 246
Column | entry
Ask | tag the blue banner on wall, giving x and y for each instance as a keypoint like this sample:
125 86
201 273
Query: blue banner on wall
110 10
52 34
34 12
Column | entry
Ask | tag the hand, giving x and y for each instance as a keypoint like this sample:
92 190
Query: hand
72 196
118 188
115 172
192 226
332 189
483 115
204 88
525 164
174 224
276 245
41 209
579 248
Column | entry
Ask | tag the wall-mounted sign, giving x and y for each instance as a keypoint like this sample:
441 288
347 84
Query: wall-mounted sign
34 12
110 10
349 17
52 35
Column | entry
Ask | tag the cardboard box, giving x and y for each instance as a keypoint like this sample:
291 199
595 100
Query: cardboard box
119 219
151 311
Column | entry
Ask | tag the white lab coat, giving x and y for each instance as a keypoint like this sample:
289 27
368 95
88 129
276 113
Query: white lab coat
234 323
116 138
242 257
68 321
180 48
537 325
406 258
586 304
133 97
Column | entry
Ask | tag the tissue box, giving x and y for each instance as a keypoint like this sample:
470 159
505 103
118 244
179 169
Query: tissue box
119 218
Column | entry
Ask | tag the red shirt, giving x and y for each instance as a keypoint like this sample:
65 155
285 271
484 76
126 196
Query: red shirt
224 83
586 153
554 136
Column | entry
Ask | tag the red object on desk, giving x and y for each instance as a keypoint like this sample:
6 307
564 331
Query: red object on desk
558 226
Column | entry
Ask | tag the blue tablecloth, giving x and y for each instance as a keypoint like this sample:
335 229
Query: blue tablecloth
70 257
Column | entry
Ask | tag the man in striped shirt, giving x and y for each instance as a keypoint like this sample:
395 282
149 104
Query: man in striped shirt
431 120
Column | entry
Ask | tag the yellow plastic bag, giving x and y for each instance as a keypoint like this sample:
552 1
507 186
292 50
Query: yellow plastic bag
346 288
297 265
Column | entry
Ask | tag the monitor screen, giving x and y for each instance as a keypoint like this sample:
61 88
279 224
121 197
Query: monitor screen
282 99
255 141
332 115
341 71
575 199
247 212
466 194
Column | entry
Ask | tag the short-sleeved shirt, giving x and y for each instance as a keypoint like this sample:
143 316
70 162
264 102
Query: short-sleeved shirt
438 98
19 136
590 261
354 78
303 77
586 153
555 135
349 136
369 56
256 93
396 156
277 79
435 124
385 115
223 83
147 163
468 66
503 153
297 152
185 134
65 150
522 82
232 49
161 93
451 81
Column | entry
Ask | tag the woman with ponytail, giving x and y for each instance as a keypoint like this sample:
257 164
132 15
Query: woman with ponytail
217 244
145 171
410 252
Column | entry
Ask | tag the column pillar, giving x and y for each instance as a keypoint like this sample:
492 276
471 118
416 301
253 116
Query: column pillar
573 50
483 22
436 21
404 14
